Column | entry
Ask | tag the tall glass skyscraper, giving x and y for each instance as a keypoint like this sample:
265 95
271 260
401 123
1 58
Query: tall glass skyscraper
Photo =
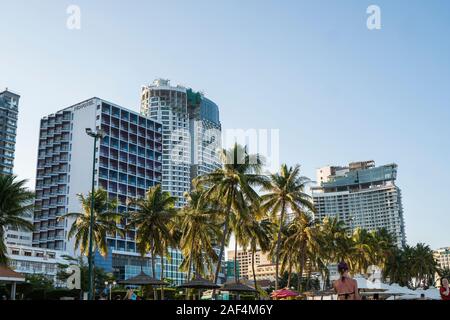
362 195
9 109
205 133
191 136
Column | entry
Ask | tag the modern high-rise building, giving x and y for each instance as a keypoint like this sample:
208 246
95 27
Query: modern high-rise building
168 105
128 160
191 136
9 109
191 133
442 257
205 134
264 266
362 195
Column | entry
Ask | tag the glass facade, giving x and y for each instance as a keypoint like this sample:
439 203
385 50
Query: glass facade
363 176
363 198
9 108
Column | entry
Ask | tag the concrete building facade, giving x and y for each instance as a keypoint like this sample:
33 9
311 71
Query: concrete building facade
363 196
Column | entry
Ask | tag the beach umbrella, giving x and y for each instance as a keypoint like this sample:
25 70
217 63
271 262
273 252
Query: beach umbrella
199 283
237 287
142 279
283 293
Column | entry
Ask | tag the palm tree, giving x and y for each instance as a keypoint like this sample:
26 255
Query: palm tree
105 222
411 266
199 232
302 238
363 253
288 254
333 244
152 219
396 267
260 234
423 265
286 192
233 185
255 232
15 203
444 272
384 246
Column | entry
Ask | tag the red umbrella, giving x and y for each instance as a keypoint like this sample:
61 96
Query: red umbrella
283 293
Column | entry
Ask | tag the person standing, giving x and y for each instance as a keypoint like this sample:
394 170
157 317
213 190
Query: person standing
130 295
444 290
346 287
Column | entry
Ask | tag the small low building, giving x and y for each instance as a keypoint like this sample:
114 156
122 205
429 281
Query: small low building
10 277
33 260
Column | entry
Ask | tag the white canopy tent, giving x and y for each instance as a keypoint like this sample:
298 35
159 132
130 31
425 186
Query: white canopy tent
430 293
394 291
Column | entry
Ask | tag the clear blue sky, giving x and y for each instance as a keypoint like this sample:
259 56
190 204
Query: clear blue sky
337 91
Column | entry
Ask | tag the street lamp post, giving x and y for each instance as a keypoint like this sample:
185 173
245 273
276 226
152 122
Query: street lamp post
99 134
110 285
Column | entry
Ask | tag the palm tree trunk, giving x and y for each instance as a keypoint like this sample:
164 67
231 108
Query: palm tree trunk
3 250
308 279
153 269
300 274
236 276
289 275
254 273
188 291
162 276
277 262
224 237
190 260
222 244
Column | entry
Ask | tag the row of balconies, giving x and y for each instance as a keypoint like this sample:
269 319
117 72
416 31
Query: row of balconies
128 117
50 162
128 159
41 184
48 174
112 129
131 166
148 143
43 153
131 148
52 147
127 126
115 189
56 119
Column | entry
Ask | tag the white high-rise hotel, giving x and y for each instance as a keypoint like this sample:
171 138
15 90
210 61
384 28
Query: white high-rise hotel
362 195
191 133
